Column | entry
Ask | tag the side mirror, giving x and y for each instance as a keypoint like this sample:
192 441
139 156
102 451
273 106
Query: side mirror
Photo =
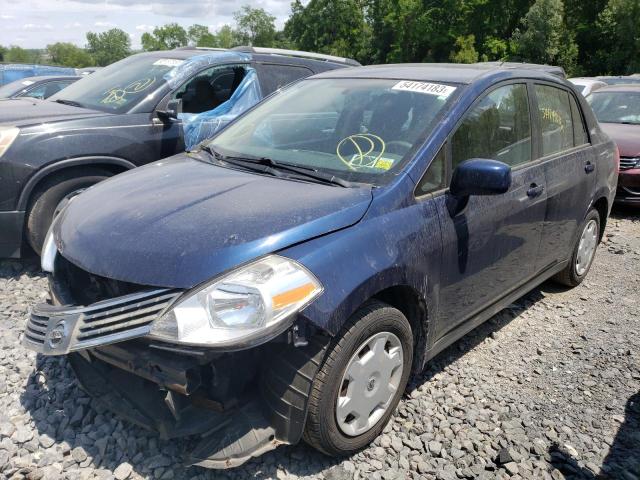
477 176
171 112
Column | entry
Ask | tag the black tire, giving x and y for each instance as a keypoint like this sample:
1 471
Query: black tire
47 196
321 429
569 276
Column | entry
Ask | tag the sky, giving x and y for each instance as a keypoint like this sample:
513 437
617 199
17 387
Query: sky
36 23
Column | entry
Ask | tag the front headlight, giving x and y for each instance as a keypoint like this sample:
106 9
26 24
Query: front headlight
7 136
246 307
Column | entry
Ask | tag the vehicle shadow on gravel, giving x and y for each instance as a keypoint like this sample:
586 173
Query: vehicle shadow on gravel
13 268
489 329
622 212
86 434
623 459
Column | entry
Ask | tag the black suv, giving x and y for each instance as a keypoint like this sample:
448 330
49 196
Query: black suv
121 117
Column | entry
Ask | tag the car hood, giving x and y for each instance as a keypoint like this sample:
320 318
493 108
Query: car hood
627 137
180 222
21 112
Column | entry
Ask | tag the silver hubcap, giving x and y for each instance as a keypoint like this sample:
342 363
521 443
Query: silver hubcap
369 383
587 247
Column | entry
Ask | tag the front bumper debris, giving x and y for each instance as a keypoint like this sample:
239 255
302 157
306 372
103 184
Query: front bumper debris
58 330
231 414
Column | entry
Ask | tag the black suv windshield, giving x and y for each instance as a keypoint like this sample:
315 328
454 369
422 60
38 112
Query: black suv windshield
361 130
616 107
120 86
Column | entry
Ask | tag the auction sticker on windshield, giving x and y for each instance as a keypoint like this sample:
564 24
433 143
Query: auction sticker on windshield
169 62
424 87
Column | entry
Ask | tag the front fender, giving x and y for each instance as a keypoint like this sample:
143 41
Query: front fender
392 249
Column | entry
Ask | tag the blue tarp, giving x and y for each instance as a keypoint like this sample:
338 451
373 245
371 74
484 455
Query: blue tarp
10 72
198 128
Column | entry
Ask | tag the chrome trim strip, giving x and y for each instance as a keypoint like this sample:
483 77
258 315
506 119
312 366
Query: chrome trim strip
58 330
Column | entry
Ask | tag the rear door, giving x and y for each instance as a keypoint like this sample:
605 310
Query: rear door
490 248
569 165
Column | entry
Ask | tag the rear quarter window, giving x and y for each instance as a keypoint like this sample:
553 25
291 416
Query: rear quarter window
580 136
274 76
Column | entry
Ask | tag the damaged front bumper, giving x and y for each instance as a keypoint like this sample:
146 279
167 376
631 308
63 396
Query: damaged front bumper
233 405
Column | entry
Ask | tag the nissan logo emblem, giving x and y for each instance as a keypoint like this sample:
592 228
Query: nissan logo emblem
57 334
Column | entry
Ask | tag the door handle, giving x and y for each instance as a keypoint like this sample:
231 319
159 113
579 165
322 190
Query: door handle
589 167
535 190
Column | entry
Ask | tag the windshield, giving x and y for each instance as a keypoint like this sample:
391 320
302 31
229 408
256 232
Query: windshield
120 86
14 87
616 107
361 130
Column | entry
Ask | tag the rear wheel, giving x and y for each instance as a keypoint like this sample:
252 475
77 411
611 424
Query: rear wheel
51 196
583 252
361 381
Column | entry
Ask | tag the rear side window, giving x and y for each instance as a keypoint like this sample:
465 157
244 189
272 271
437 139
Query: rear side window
554 110
580 136
497 128
277 76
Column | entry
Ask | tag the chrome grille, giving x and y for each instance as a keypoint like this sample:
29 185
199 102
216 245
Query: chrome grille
55 330
627 163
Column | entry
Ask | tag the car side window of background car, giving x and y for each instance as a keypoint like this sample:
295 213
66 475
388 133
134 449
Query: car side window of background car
556 121
209 88
275 76
580 136
498 128
434 179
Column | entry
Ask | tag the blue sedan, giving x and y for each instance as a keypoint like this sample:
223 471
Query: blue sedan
284 279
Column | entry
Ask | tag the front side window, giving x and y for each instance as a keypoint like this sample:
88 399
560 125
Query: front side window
616 107
497 128
554 111
361 130
209 88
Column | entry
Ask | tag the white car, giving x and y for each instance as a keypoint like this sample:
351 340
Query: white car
587 85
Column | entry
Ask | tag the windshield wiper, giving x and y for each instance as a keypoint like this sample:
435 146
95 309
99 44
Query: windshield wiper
73 103
270 166
256 167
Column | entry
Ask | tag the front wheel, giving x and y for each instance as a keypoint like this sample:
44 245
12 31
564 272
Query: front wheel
51 196
584 252
361 381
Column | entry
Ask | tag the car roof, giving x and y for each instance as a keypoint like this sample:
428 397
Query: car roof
633 87
274 54
42 78
437 72
586 81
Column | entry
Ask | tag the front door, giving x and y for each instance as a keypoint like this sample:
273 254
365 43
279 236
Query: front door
491 247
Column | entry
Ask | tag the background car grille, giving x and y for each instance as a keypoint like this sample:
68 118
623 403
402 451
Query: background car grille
105 322
627 163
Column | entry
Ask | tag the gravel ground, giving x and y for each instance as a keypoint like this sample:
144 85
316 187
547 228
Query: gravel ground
548 388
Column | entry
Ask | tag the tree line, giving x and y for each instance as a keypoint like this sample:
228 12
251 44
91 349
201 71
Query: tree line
585 37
